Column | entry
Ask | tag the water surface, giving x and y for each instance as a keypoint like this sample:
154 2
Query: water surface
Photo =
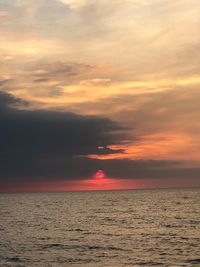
107 228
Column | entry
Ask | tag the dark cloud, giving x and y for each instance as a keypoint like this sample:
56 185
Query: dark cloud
37 143
7 100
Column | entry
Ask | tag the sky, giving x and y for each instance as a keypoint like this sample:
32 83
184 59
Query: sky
89 87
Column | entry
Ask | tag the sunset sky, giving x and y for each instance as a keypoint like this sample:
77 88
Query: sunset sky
99 85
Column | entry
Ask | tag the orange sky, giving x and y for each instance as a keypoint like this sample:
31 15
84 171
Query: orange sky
135 62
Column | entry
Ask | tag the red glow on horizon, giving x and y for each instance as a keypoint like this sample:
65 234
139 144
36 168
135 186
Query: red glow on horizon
97 182
94 184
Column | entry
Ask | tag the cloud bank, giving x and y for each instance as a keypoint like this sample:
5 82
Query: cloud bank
41 146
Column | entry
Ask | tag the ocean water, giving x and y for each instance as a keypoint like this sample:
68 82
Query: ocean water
107 228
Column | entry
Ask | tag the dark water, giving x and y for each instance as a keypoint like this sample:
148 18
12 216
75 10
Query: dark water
113 228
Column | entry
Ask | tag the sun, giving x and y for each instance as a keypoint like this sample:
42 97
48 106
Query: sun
100 178
100 174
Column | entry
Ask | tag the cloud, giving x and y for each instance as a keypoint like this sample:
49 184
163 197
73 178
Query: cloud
80 3
151 112
118 59
3 16
33 140
39 144
7 100
165 123
63 71
73 3
144 34
45 146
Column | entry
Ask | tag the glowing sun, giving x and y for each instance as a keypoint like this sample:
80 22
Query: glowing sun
100 174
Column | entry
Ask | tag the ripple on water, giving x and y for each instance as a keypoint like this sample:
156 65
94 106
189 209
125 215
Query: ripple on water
96 229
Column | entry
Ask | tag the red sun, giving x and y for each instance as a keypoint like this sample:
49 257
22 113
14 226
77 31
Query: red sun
100 174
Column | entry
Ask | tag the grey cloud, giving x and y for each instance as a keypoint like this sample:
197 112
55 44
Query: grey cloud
33 140
61 71
7 100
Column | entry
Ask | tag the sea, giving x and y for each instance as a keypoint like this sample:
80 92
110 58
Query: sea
101 228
